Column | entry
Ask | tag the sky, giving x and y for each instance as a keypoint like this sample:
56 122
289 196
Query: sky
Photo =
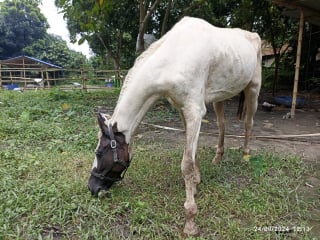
59 27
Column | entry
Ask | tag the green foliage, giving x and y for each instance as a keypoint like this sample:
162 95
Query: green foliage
285 76
55 50
21 23
23 32
108 26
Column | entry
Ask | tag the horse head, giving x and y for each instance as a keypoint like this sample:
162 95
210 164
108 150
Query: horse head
112 157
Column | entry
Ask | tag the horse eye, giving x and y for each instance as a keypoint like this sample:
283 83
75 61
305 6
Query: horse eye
98 153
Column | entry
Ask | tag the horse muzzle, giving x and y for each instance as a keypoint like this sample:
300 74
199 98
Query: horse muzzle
96 185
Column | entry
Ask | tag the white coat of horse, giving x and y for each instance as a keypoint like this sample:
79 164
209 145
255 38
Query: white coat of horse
193 64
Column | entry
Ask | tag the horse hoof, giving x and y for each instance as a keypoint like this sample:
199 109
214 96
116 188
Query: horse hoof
216 160
197 180
191 230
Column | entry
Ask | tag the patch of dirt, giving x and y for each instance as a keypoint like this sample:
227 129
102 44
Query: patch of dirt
267 124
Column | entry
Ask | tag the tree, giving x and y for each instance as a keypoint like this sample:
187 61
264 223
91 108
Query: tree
108 26
277 29
21 23
157 17
54 49
267 19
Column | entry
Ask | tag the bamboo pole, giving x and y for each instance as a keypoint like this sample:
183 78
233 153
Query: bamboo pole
297 67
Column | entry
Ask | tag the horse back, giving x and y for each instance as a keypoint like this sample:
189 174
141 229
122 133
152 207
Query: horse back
196 57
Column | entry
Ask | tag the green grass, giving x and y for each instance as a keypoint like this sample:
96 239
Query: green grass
47 142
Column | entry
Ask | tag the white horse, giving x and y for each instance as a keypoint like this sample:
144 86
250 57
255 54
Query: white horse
193 64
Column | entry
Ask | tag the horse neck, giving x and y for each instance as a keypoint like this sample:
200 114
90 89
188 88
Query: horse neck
132 106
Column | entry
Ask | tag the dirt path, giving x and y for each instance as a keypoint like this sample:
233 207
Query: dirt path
306 121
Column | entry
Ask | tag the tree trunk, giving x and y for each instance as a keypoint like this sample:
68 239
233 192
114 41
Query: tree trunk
145 14
115 57
116 64
276 72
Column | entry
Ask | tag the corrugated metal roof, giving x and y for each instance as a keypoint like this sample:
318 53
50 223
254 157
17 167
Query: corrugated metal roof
26 60
311 9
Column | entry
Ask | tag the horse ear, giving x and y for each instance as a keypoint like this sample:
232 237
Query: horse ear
102 125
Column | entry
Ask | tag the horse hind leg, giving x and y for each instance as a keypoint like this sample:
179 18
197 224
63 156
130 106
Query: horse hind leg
251 104
218 108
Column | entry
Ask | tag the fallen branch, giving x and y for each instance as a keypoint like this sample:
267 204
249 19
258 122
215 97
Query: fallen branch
284 137
291 136
163 127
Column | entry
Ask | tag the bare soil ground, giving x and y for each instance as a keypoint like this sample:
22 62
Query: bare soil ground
266 124
306 121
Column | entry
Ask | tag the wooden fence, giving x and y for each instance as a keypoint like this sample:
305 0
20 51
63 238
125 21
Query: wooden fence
30 78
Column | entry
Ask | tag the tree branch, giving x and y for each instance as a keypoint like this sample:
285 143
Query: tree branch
165 19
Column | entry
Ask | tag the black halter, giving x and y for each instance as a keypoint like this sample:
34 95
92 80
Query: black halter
116 160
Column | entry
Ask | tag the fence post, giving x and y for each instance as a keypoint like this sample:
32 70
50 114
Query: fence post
84 79
0 76
47 75
10 73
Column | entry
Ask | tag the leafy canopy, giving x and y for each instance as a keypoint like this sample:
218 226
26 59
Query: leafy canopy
21 23
55 50
108 26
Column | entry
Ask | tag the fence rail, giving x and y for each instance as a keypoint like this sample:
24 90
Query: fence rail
84 78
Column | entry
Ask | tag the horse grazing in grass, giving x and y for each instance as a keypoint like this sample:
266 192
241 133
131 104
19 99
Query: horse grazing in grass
193 64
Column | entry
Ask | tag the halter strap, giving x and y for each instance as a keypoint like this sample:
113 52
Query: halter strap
113 144
105 178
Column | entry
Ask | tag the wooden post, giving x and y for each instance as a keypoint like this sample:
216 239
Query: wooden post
84 79
47 75
54 77
10 73
0 76
297 68
41 85
24 73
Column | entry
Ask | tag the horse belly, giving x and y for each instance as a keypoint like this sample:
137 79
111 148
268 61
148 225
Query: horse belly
229 79
222 93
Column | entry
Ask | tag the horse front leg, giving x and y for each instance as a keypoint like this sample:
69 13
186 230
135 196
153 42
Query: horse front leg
190 170
197 175
218 108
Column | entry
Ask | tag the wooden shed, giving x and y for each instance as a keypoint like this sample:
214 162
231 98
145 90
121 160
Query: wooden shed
25 70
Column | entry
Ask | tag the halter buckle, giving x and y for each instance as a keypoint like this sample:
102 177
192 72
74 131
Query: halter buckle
113 144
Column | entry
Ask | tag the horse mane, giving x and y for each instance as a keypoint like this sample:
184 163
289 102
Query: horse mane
139 61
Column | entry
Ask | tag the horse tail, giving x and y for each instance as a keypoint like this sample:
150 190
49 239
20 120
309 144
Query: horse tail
241 106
